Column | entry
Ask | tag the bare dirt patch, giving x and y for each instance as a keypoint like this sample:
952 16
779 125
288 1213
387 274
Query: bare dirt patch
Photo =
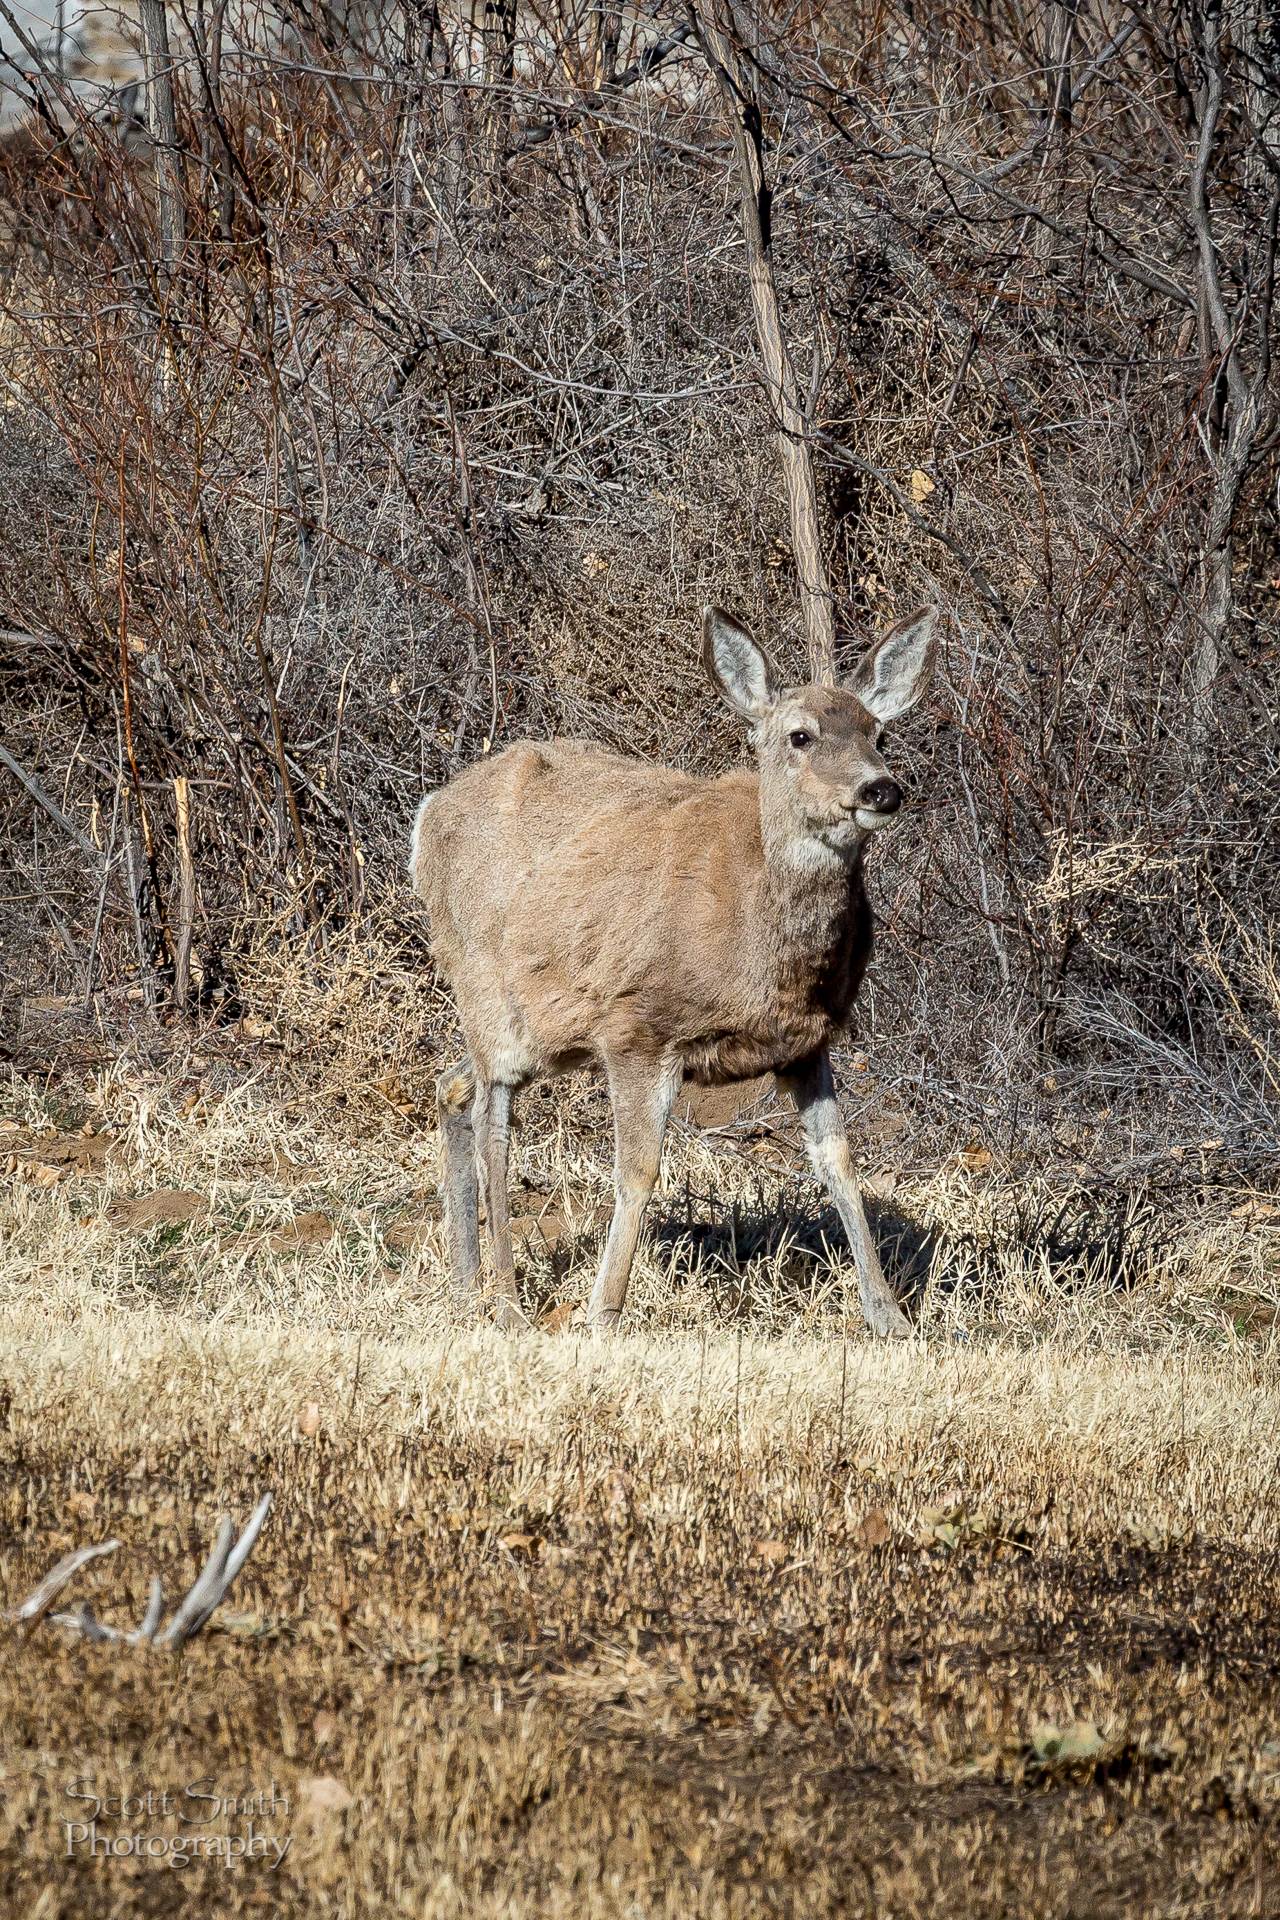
713 1107
304 1231
57 1154
407 1235
165 1207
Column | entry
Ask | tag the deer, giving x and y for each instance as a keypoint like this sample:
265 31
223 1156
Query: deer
588 908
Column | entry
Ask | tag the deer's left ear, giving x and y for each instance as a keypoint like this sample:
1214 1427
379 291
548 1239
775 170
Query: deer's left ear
898 668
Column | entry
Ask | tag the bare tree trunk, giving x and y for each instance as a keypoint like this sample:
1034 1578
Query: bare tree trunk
439 79
722 42
499 74
608 34
1232 458
1238 409
1059 54
162 119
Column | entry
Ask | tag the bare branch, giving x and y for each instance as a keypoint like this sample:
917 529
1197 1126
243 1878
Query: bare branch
51 807
38 1602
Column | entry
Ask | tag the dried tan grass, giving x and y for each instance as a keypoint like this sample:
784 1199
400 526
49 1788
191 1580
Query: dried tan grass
736 1612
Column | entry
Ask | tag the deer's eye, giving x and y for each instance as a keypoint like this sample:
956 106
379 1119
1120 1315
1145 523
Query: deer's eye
800 738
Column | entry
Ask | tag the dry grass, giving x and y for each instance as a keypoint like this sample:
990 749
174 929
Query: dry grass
733 1615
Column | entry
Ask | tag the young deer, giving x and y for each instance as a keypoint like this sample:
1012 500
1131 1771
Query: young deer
585 906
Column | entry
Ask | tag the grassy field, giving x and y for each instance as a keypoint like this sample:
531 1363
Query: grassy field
736 1614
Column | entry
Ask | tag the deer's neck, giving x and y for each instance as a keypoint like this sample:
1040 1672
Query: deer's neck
816 909
816 898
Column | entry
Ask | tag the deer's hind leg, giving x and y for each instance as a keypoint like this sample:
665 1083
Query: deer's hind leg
643 1092
459 1186
491 1120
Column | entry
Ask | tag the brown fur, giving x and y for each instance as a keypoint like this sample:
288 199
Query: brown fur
589 906
586 904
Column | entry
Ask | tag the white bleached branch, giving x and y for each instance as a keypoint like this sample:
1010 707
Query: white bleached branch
226 1557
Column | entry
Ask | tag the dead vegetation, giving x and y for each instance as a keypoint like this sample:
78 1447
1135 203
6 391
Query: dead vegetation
736 1615
421 397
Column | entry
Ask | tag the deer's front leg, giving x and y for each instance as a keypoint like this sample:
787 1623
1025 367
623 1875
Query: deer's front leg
643 1093
811 1087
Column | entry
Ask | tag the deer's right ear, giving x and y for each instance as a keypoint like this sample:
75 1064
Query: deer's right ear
737 667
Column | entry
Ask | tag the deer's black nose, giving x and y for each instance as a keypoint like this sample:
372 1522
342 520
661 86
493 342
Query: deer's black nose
881 796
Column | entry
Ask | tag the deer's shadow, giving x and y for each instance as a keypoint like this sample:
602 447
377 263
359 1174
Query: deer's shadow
717 1241
785 1249
1067 1241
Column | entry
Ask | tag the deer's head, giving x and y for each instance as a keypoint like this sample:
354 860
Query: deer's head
822 778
